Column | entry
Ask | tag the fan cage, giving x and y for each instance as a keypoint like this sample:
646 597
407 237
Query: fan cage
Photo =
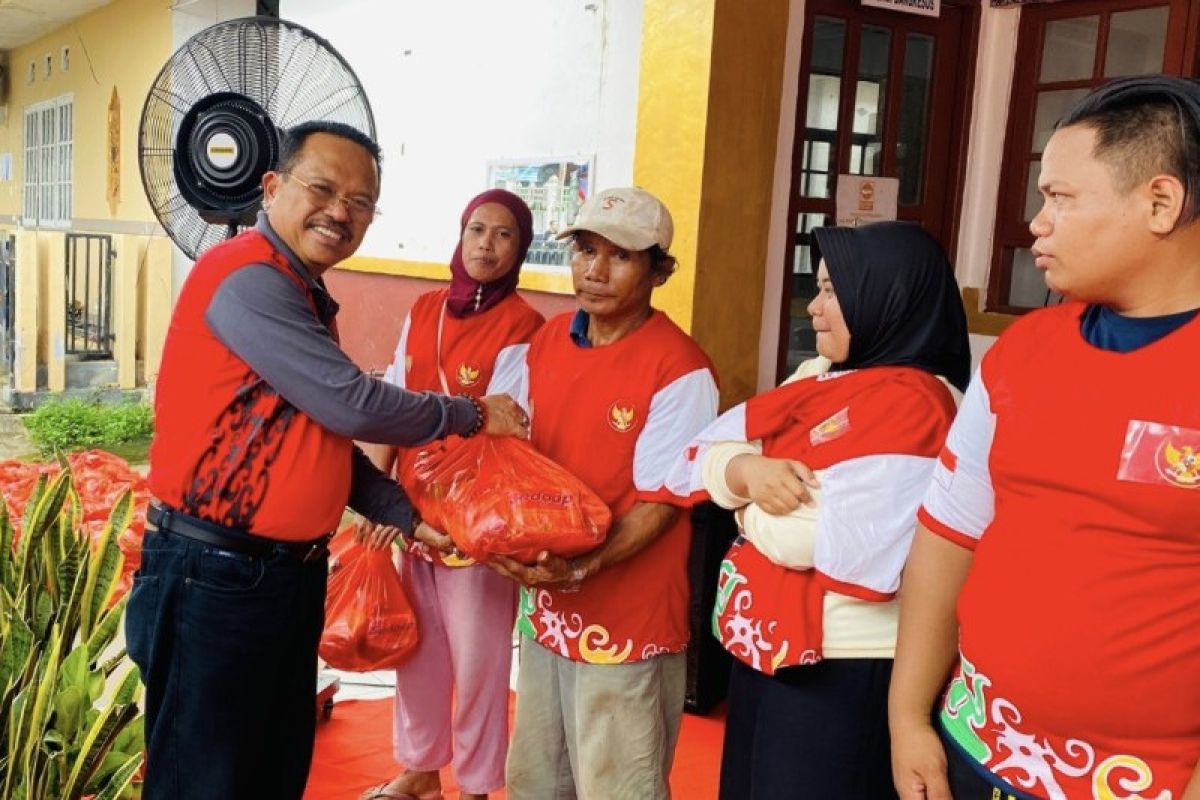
290 72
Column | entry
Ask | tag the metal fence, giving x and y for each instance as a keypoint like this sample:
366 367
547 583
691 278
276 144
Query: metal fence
8 293
89 295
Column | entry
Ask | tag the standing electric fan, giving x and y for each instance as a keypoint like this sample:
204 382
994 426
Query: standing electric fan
212 121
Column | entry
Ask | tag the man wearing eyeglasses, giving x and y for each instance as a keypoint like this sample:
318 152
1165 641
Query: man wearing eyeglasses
252 465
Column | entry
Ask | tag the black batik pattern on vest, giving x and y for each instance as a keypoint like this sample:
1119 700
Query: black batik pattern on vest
234 473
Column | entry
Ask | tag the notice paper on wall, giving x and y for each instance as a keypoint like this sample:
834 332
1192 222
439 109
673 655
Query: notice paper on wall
6 167
862 199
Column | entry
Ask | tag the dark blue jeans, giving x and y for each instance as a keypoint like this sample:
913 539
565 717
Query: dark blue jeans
227 647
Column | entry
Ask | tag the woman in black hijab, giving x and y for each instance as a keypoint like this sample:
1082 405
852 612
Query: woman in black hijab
827 503
899 297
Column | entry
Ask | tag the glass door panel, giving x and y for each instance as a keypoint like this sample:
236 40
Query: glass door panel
824 103
914 115
870 96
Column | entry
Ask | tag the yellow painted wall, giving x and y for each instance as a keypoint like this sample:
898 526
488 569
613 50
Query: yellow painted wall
708 111
123 44
672 113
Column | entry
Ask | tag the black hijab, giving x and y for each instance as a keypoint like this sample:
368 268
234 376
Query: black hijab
898 297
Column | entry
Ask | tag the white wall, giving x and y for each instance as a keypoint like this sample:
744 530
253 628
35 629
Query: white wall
456 85
985 153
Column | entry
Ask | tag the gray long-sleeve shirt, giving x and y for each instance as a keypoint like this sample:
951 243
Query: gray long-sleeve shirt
262 317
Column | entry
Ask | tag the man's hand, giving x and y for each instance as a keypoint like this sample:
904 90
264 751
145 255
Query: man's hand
435 539
373 536
549 569
505 417
778 485
919 762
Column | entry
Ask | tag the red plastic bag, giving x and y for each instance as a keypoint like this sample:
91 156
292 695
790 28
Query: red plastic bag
497 495
369 623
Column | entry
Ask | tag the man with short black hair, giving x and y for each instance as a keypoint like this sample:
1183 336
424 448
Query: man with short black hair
1062 520
252 465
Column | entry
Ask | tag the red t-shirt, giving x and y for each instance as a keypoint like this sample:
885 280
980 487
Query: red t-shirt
1073 473
618 416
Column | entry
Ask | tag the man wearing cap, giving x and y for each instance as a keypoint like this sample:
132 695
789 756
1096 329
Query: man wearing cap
616 391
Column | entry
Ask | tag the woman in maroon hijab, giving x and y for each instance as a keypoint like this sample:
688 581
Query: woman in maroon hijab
452 694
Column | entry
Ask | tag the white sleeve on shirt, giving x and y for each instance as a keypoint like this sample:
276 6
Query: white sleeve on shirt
678 412
868 516
396 373
509 376
960 496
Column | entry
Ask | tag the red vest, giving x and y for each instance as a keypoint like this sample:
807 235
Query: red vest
227 447
469 346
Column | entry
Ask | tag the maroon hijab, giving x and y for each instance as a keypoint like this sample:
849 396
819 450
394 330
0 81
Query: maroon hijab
469 297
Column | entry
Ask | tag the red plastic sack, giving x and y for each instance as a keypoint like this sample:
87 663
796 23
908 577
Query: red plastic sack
497 495
369 623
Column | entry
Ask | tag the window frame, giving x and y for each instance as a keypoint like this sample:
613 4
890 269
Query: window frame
48 187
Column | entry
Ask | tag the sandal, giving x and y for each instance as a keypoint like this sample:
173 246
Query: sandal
381 792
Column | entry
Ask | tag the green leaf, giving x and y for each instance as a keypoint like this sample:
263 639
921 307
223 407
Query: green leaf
110 666
111 763
53 743
129 688
95 684
96 745
71 611
42 699
120 779
74 670
43 613
8 578
132 738
106 630
40 515
18 644
104 567
35 495
68 711
72 517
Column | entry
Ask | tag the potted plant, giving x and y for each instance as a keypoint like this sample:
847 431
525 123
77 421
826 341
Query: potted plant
70 726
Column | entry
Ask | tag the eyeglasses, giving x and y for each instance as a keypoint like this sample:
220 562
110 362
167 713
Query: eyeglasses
361 209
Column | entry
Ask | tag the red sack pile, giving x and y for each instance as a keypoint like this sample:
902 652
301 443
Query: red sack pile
100 478
369 623
497 495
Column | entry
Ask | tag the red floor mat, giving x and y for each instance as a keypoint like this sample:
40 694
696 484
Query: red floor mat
354 751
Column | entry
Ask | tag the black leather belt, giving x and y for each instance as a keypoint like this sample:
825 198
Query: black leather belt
200 530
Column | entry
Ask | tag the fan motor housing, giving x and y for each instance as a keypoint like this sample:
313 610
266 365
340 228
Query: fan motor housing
225 143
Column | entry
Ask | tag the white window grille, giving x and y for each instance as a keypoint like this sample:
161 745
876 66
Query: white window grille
49 155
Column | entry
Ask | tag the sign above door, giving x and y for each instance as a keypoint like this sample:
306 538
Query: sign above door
927 8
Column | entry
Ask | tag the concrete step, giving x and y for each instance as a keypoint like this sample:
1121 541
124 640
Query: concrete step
14 441
91 374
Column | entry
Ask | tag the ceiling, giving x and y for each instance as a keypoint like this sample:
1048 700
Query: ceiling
22 21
